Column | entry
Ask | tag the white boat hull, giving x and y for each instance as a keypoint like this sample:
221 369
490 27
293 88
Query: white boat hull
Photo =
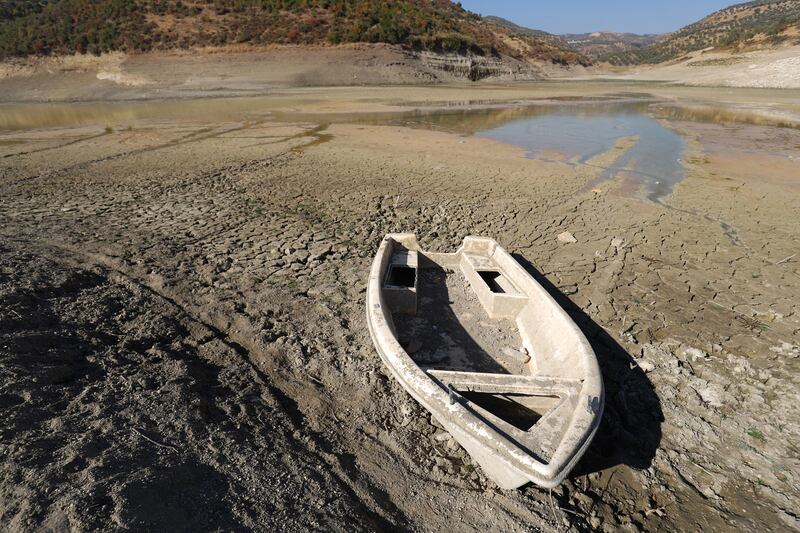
562 372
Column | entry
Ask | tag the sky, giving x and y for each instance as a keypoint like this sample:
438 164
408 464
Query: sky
584 16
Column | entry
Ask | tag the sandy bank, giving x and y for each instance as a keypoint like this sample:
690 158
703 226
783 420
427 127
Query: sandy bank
772 68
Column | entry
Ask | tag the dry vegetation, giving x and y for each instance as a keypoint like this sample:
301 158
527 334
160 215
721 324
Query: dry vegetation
83 26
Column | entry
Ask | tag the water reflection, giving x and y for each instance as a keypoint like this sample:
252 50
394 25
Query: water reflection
581 133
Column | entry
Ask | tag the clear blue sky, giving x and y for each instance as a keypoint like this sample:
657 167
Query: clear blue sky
583 16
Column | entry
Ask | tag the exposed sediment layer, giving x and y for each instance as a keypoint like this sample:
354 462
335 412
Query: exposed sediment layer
221 72
473 67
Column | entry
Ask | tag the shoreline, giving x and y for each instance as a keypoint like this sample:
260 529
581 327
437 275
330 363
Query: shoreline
754 106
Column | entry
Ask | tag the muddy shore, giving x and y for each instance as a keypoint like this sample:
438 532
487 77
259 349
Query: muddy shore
183 341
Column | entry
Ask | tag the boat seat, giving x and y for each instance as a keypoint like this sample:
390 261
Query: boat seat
401 282
497 293
511 383
529 410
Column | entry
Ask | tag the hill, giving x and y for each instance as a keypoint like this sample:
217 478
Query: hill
602 43
554 40
49 27
737 27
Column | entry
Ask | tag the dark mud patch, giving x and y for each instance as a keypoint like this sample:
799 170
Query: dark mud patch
118 411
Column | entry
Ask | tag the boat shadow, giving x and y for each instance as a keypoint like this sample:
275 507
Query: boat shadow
443 340
630 431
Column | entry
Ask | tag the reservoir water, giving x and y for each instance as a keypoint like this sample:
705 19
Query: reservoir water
579 133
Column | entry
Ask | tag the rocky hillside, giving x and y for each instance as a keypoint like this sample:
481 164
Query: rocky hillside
752 24
94 26
601 43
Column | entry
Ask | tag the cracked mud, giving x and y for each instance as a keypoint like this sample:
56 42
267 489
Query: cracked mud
183 341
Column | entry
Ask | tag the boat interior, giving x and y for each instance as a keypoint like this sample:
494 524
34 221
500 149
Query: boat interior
469 320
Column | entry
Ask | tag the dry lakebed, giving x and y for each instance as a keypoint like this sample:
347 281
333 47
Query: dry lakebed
183 342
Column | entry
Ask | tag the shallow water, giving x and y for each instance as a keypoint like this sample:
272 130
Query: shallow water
577 134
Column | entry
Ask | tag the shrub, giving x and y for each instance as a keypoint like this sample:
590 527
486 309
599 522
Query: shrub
95 26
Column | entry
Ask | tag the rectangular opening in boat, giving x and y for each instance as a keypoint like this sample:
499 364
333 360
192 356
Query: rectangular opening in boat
520 410
401 276
496 282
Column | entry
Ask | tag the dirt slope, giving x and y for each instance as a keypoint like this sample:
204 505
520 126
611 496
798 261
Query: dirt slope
245 70
777 68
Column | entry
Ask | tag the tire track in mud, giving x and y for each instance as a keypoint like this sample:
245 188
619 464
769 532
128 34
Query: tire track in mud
60 146
197 136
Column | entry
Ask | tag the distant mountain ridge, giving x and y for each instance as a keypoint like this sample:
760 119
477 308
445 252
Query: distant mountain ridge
47 27
600 43
758 23
553 39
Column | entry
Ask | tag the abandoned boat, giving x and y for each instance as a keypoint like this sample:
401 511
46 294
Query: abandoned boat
483 347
